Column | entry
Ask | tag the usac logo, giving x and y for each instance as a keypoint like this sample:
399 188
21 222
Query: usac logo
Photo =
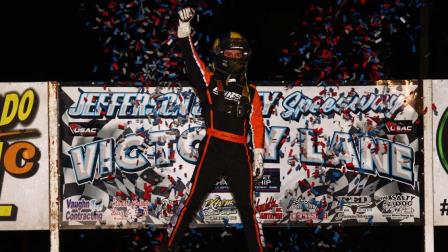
399 127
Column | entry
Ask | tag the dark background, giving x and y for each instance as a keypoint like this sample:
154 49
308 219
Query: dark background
46 40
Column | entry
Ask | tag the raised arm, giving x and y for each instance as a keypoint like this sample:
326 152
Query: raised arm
198 74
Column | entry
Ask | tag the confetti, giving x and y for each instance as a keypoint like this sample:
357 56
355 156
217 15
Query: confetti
349 40
137 38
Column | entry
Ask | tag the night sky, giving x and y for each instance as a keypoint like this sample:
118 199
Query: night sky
47 40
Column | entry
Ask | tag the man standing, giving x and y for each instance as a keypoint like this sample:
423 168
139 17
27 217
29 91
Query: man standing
231 108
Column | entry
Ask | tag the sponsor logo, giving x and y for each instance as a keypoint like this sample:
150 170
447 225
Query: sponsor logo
228 95
136 210
305 210
397 205
84 129
83 210
78 129
300 204
355 203
399 127
354 208
221 186
216 209
270 182
269 210
307 216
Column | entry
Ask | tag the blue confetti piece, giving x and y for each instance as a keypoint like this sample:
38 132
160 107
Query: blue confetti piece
336 237
304 207
317 229
239 226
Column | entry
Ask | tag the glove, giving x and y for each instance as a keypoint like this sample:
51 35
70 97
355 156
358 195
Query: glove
185 16
258 163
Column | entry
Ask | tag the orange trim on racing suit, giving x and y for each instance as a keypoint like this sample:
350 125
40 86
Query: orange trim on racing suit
229 157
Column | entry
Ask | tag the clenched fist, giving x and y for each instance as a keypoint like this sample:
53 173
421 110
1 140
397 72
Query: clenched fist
186 14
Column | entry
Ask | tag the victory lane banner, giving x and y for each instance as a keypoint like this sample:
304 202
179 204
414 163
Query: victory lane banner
24 168
334 154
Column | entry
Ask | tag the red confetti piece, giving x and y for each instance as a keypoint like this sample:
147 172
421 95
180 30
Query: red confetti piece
434 107
350 166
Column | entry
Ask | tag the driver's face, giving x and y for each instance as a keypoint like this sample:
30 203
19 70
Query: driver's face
233 53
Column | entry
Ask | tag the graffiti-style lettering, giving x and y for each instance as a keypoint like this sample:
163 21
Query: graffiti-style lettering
274 137
269 100
131 105
297 105
376 156
187 146
132 153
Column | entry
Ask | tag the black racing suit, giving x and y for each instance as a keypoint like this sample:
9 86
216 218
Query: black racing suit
230 112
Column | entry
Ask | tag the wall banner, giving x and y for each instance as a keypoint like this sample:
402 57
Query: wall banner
24 192
335 154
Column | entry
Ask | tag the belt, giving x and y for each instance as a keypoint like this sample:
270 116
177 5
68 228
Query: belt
227 136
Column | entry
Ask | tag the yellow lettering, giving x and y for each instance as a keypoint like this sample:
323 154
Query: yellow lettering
7 116
1 151
28 99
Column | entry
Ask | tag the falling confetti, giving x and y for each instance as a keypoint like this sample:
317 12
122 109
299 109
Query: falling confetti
349 39
137 38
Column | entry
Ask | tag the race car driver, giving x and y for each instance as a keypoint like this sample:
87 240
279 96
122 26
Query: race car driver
231 108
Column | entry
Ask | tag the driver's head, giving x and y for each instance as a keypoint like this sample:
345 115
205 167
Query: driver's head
231 53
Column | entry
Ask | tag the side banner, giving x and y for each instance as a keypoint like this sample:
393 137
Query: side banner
440 151
24 192
335 154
